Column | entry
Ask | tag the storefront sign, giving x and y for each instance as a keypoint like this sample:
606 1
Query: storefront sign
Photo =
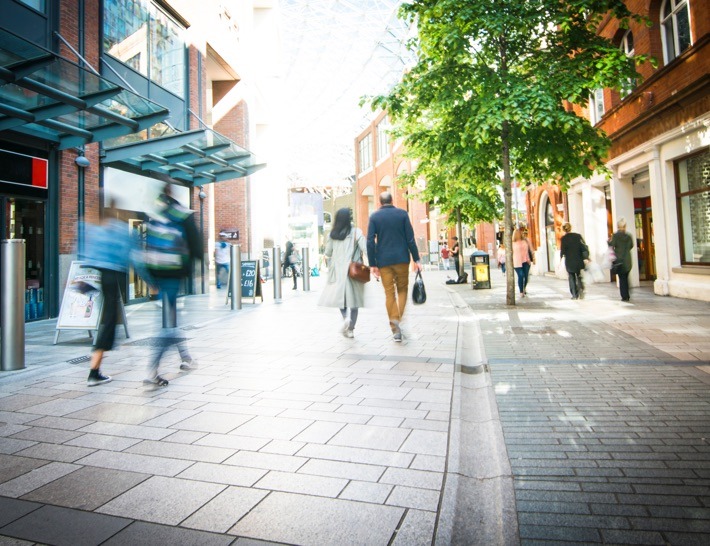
23 170
230 233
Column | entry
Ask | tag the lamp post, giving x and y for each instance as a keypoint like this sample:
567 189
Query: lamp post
202 195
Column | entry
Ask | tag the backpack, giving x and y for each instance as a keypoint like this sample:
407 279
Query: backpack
166 249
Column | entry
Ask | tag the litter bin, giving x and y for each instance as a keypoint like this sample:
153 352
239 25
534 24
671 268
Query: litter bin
481 269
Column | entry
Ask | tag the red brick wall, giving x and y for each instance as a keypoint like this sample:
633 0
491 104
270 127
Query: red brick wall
231 199
68 170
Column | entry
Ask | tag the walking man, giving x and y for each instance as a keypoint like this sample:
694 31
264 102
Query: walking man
390 242
222 255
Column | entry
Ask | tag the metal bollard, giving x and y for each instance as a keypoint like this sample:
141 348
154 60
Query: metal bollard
12 316
277 273
235 276
306 271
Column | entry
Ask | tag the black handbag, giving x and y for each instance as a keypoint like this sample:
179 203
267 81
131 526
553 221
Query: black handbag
418 290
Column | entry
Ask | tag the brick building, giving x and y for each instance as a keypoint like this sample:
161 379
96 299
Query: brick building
660 157
110 100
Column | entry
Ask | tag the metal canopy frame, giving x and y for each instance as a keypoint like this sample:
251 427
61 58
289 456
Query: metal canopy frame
49 97
192 158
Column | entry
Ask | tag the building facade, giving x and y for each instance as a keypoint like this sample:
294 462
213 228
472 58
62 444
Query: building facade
659 158
108 101
379 165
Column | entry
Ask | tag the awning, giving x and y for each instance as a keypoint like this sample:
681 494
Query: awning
192 158
47 96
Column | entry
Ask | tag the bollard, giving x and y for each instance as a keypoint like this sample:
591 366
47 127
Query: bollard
306 271
12 315
235 276
277 273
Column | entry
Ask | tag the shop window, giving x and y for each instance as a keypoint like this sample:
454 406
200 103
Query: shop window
675 28
693 199
140 35
365 153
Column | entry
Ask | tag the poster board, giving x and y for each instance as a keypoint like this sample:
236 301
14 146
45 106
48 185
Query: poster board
250 281
251 285
83 302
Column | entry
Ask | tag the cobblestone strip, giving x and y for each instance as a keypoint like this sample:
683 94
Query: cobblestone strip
607 453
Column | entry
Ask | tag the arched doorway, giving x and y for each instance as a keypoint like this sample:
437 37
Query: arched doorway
548 238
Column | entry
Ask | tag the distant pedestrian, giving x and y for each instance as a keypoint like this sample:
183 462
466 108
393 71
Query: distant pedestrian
390 242
501 257
172 243
622 243
222 256
521 260
454 253
107 247
345 244
445 253
574 251
290 260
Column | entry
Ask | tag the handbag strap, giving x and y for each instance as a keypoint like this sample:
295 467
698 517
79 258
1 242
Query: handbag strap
355 247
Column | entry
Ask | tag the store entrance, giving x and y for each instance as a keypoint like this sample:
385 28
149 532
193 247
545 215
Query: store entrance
643 220
26 219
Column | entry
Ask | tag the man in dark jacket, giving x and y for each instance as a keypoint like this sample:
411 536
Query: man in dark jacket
390 242
574 250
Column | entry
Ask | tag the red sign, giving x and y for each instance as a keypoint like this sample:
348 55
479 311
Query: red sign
23 170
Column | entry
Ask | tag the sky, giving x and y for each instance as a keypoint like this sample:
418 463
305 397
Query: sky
333 52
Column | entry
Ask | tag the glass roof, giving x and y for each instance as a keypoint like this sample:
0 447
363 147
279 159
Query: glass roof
333 52
193 158
47 96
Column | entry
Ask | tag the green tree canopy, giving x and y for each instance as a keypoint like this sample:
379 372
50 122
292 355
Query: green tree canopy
485 101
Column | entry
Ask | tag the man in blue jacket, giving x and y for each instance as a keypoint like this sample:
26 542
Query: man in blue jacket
390 242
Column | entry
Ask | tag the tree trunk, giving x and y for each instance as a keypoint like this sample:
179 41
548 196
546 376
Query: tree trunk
508 217
459 234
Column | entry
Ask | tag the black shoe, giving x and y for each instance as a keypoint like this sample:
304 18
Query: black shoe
96 378
156 381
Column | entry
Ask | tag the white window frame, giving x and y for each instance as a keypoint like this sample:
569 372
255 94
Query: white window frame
365 152
383 139
596 106
669 28
628 48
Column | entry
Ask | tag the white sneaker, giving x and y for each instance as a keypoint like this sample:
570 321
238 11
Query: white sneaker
346 325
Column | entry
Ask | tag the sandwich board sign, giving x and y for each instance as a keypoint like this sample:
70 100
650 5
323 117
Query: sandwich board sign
83 302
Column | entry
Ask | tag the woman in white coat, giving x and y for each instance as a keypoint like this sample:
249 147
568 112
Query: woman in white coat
344 245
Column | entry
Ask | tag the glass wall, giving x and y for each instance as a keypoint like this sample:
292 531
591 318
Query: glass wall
140 35
693 191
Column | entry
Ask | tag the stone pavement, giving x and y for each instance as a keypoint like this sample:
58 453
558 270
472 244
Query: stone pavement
555 420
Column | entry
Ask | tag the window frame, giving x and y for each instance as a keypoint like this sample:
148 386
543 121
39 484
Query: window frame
595 100
669 25
679 196
365 152
630 53
383 138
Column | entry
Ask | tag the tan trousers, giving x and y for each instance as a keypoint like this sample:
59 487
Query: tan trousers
395 280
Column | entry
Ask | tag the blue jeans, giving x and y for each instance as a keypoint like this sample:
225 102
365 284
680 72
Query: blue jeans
522 273
170 335
218 269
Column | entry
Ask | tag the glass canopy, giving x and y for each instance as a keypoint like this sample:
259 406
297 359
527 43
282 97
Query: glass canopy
46 96
193 158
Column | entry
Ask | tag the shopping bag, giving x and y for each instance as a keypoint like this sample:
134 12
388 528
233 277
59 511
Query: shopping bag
595 273
418 290
561 270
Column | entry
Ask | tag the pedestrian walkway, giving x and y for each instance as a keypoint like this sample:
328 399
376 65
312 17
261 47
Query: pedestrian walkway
553 420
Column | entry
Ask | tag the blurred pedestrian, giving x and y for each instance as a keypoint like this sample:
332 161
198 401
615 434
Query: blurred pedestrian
501 257
390 242
345 244
290 259
521 260
445 253
222 256
574 251
454 252
107 247
622 243
172 244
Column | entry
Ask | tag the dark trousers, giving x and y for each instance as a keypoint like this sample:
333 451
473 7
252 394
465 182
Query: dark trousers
109 317
218 273
624 285
576 286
